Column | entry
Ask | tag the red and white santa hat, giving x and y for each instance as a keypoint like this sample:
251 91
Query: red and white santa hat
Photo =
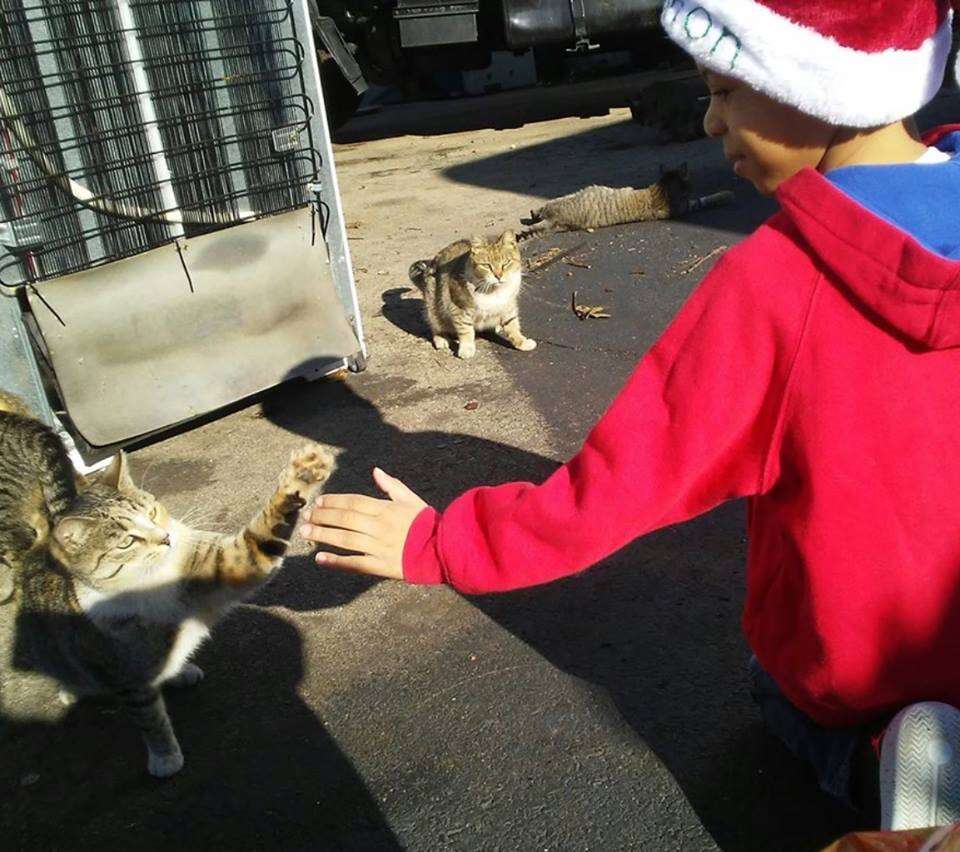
855 63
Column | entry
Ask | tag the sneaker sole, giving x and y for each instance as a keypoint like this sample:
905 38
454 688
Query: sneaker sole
920 768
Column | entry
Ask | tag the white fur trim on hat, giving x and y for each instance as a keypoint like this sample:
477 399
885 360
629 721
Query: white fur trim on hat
805 69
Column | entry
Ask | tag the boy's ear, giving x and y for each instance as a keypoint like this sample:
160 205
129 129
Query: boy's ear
117 475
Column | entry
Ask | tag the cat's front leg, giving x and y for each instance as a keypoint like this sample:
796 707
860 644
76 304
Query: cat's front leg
511 331
440 342
146 707
236 563
466 340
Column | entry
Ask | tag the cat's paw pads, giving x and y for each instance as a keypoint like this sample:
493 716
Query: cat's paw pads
66 698
527 345
440 342
466 350
190 675
310 465
164 765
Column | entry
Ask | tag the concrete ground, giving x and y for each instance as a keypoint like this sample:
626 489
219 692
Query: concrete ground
607 711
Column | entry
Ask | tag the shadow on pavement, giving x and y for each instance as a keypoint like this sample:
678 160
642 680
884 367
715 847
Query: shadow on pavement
260 773
656 626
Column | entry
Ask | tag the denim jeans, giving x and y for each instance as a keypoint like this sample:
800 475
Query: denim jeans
829 751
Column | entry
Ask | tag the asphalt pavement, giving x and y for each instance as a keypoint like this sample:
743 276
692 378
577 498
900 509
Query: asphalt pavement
608 711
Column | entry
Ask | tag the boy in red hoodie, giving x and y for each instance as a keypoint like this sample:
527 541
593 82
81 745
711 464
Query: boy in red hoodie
815 372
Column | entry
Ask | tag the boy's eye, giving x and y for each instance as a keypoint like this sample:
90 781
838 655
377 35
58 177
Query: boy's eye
719 93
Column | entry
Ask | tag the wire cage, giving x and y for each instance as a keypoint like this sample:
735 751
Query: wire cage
171 236
127 124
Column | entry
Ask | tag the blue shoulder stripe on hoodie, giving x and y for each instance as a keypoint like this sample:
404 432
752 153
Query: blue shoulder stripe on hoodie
922 199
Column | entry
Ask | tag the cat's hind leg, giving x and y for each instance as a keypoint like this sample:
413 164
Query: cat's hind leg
510 330
146 708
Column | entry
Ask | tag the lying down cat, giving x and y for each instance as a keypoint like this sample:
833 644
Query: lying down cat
114 595
602 206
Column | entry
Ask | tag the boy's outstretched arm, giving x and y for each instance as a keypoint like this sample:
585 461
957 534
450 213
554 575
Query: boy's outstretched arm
697 423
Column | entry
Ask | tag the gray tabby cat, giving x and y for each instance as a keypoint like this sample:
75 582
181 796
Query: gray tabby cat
113 594
600 206
470 286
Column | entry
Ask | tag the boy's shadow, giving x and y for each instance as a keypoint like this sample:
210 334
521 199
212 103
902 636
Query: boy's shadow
261 771
657 625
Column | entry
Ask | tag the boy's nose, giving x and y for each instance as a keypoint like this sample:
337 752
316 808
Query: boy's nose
713 124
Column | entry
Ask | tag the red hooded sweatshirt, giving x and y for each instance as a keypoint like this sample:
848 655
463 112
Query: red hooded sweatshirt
816 372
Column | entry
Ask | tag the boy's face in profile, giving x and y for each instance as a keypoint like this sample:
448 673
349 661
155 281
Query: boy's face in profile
766 141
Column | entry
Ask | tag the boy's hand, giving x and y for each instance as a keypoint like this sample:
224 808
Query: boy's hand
375 530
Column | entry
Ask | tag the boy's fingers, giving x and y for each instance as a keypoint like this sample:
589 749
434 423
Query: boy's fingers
350 502
344 519
359 542
393 487
360 564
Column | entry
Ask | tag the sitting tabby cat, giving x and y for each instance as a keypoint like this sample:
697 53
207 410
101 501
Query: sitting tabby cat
113 594
472 285
600 206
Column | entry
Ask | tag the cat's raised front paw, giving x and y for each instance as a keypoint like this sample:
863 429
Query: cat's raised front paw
467 350
527 344
164 765
311 464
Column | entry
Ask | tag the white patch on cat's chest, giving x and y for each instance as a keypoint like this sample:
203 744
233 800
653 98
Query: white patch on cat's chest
192 633
493 304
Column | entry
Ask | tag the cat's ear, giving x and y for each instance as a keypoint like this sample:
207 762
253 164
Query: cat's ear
508 238
477 242
117 475
72 532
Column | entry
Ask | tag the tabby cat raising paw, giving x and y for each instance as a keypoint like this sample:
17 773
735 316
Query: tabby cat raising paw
114 595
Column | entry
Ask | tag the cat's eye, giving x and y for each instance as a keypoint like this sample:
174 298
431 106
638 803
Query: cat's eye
126 542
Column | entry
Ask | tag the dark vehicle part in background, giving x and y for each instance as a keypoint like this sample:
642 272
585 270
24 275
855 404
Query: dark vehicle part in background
402 43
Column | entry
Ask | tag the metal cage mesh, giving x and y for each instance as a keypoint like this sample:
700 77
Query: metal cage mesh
191 112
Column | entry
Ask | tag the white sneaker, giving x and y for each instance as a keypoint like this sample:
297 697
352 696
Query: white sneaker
920 768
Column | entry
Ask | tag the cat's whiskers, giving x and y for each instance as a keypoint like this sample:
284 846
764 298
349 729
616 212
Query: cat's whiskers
196 517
